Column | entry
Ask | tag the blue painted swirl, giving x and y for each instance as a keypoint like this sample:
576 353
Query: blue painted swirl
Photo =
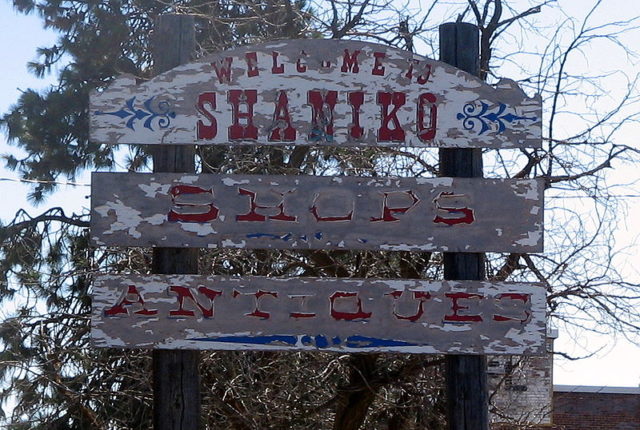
159 114
483 119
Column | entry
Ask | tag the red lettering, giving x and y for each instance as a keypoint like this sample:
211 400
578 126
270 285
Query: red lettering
252 64
185 293
388 212
300 66
314 211
322 115
257 312
462 215
513 296
191 211
223 69
417 295
349 316
455 307
252 215
130 297
206 131
350 62
247 98
356 99
386 134
281 128
378 68
427 132
302 299
424 75
276 69
410 71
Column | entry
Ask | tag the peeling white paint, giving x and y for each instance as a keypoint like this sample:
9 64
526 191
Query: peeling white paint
188 179
227 243
158 219
436 182
152 189
230 182
127 219
200 229
533 237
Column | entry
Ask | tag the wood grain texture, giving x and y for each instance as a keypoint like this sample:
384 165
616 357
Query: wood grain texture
466 376
176 375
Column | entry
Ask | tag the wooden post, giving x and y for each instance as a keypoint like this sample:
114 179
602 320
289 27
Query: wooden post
465 374
176 379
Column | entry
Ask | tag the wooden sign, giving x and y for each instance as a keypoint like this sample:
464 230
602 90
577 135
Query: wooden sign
311 212
316 92
349 315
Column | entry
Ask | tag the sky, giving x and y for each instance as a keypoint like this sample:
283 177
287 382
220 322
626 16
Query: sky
26 35
615 363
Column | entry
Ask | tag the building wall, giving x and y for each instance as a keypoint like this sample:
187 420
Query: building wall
521 388
522 396
596 408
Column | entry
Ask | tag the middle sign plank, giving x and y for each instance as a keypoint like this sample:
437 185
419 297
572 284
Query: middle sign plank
303 212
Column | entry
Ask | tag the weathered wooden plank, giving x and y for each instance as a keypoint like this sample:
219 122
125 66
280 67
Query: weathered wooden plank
305 212
337 314
316 92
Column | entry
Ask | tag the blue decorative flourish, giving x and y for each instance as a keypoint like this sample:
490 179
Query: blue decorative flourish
162 113
372 342
256 340
318 341
285 237
472 116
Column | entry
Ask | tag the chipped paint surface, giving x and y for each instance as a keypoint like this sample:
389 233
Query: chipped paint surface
349 315
316 92
304 212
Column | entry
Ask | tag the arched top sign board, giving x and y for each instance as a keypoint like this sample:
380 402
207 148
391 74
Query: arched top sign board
316 92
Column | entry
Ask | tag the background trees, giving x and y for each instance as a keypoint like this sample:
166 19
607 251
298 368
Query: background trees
59 381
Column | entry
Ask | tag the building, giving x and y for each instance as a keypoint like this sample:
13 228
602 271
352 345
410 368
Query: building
595 408
521 388
522 396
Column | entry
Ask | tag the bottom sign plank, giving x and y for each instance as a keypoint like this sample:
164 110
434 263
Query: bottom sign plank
336 314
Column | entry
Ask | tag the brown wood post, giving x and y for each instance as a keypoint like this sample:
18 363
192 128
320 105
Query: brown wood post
466 377
176 379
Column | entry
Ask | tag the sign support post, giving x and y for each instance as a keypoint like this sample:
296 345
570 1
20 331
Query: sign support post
466 377
176 379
